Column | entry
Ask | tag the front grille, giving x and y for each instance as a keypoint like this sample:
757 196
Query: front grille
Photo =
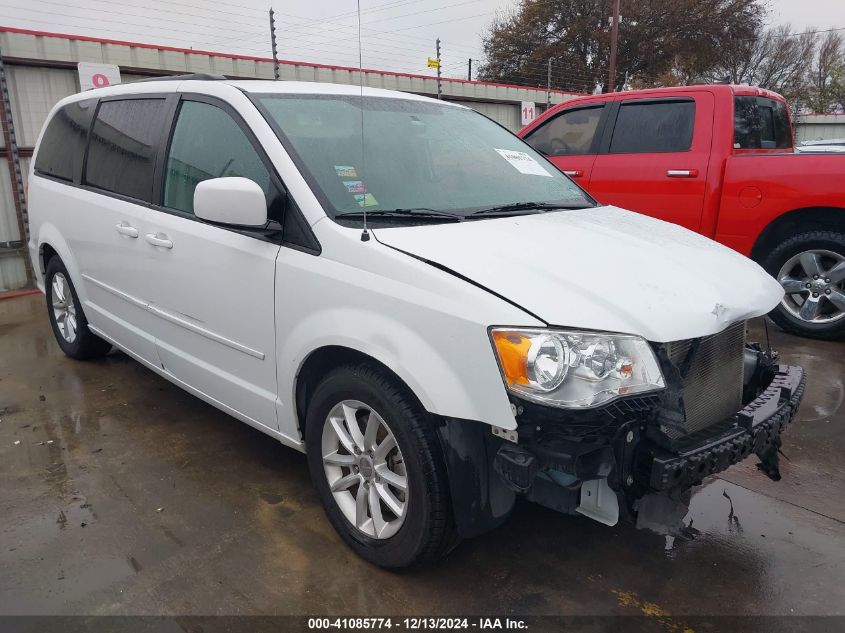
712 384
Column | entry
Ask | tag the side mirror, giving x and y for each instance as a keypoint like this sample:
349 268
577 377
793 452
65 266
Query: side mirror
238 201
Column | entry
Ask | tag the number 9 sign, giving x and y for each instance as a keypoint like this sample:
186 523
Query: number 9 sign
97 75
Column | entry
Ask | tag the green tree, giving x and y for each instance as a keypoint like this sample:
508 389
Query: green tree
656 38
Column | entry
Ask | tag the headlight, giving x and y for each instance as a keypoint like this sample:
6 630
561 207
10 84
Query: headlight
564 368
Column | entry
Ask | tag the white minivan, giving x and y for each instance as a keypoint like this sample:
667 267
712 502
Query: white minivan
405 291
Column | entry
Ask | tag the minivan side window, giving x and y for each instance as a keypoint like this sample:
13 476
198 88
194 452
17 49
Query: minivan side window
121 150
63 144
208 143
653 126
761 123
568 134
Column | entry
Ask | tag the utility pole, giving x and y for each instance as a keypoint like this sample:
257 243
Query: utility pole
549 84
439 89
614 37
273 46
469 69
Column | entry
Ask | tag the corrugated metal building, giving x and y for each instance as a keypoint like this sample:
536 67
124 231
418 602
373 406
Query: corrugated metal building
41 68
819 127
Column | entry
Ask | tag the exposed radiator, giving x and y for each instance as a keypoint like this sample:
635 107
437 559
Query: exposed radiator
713 383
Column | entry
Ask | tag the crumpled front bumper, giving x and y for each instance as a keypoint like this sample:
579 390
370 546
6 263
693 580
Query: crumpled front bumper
757 430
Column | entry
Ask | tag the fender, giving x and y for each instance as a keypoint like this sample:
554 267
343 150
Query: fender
49 235
428 326
477 393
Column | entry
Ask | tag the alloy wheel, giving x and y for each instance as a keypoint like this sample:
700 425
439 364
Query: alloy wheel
365 469
814 282
64 309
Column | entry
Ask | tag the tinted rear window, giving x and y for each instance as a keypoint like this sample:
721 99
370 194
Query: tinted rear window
761 123
63 143
654 126
121 154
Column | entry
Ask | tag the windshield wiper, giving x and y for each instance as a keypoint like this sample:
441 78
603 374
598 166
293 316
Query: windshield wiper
416 212
540 207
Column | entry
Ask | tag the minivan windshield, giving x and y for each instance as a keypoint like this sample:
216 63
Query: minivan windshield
417 159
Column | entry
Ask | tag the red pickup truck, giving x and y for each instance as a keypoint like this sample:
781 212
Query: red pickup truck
718 160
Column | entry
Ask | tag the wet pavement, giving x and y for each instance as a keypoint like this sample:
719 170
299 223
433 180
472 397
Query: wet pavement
122 494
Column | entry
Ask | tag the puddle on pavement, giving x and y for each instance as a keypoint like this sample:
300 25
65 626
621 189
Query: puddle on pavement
825 389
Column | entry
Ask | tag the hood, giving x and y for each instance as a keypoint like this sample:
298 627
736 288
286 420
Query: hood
600 269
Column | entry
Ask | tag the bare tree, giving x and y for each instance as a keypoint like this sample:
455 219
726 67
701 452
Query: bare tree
826 73
775 59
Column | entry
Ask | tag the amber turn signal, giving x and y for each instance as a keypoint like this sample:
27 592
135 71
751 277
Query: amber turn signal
513 355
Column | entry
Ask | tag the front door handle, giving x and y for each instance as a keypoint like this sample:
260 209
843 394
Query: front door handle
159 239
573 173
126 229
682 173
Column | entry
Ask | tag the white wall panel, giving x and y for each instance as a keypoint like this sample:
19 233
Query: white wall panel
12 269
25 171
819 127
505 113
8 218
34 91
12 273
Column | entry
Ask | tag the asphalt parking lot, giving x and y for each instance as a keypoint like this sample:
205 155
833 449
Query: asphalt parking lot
122 494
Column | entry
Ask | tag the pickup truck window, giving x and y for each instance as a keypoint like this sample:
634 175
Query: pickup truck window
761 123
653 126
568 134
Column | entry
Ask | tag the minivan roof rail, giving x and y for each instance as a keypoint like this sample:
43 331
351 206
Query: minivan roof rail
194 76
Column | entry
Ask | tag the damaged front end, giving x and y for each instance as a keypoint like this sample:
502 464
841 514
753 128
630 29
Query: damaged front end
638 457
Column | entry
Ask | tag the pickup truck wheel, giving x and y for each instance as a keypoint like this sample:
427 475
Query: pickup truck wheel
378 468
811 269
66 316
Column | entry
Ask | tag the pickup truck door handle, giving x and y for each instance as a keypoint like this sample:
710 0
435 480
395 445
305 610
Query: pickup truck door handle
682 173
126 229
159 239
573 173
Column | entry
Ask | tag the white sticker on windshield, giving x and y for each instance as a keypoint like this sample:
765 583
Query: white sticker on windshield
523 162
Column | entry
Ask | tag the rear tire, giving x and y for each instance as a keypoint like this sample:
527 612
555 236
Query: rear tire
796 262
64 309
425 530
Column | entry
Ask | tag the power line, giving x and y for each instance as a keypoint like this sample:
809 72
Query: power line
348 14
179 27
337 28
388 35
441 8
193 15
807 33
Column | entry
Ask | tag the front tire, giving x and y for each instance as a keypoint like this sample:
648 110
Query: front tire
70 326
811 268
378 468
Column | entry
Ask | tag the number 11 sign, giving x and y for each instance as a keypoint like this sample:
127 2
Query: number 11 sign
528 112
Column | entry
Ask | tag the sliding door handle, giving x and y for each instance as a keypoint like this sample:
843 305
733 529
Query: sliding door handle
682 173
124 228
159 239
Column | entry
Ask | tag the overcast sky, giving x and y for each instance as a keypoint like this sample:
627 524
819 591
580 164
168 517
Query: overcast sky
397 34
